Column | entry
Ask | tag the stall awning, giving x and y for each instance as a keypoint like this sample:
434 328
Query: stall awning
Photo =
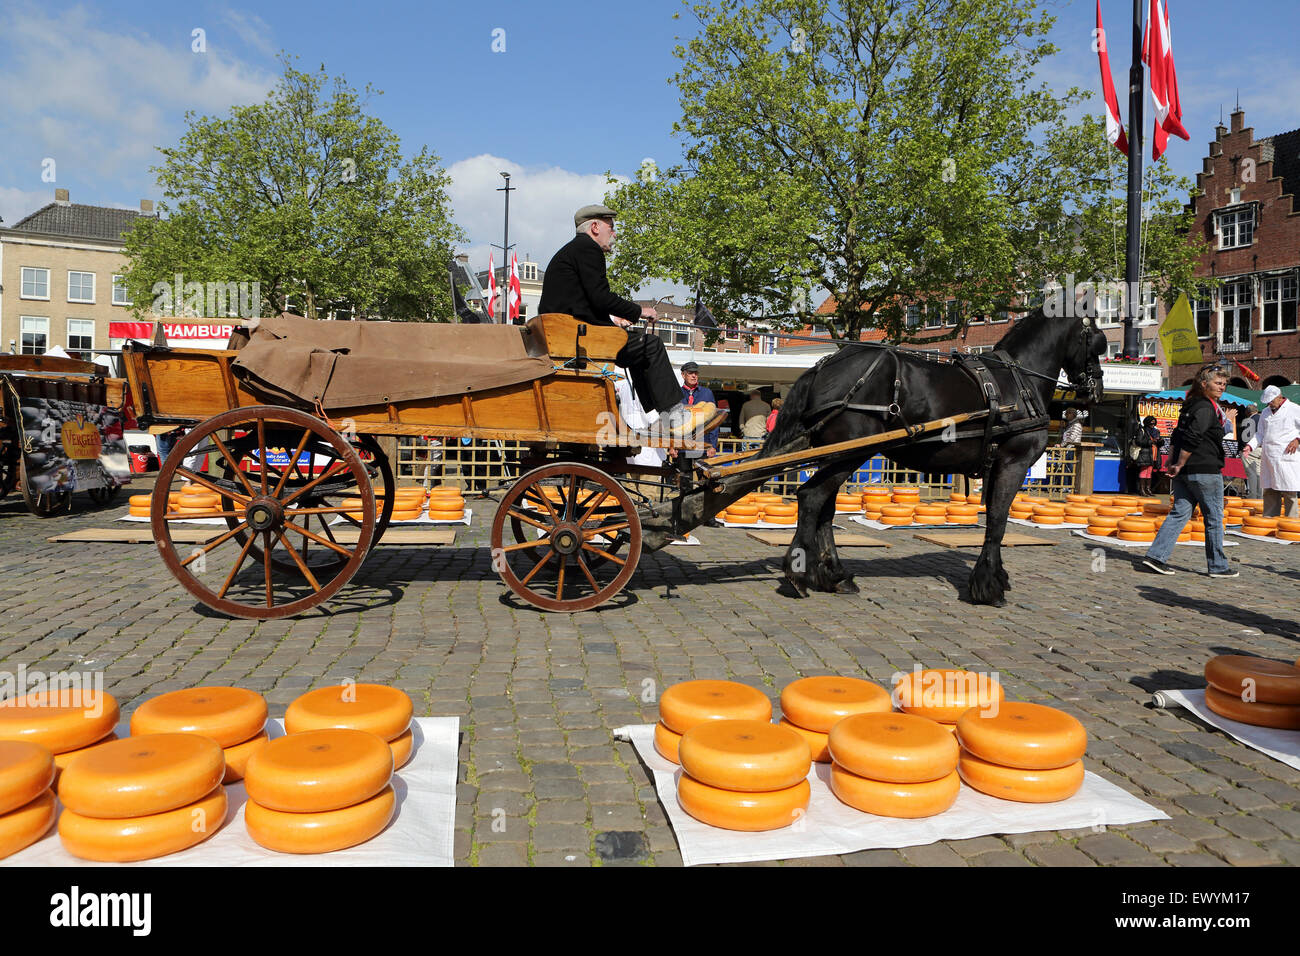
1178 394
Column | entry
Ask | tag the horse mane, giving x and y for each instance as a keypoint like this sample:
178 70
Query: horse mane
1031 326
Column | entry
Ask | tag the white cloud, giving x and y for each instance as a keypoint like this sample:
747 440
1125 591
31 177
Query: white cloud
99 97
16 204
252 29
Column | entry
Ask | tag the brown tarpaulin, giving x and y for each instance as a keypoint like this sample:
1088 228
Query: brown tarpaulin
347 364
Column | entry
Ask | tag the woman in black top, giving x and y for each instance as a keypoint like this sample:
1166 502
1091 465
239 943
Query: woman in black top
1148 454
1196 473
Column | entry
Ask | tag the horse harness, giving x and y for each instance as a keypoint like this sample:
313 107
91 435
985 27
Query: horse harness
1027 402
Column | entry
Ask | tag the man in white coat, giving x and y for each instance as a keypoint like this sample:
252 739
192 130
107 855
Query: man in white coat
1278 440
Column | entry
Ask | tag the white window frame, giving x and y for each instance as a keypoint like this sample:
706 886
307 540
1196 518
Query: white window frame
1235 297
86 352
1001 315
1109 309
1232 224
1148 349
23 330
1277 291
1148 308
1203 306
950 316
1114 347
22 282
935 317
912 316
120 286
78 272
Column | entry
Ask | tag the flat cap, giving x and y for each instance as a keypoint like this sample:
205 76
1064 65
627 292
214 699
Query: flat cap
690 367
595 211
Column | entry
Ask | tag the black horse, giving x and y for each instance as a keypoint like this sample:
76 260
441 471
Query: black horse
864 390
889 389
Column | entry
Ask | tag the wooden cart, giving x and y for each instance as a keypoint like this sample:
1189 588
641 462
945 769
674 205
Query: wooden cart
24 378
566 535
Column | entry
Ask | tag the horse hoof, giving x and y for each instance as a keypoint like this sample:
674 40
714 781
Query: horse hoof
846 586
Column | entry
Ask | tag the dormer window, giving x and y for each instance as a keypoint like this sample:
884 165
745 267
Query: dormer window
1236 227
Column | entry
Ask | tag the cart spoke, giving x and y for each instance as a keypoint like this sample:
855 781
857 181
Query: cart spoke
298 560
266 562
329 532
525 544
261 459
537 567
319 540
607 555
248 546
545 502
559 584
571 502
604 529
583 565
199 552
293 463
207 482
234 465
328 473
526 519
188 516
588 513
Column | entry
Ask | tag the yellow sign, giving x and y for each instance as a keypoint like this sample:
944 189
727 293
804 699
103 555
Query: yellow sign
81 439
1178 335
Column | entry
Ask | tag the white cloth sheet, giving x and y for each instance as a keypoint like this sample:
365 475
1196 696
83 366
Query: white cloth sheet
1063 526
1283 745
1120 543
1255 537
831 827
420 834
871 523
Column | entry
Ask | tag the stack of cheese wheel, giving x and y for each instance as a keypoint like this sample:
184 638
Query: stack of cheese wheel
693 702
140 506
1074 499
897 514
1025 752
944 694
847 501
1049 513
905 495
894 765
375 708
743 774
962 513
1288 529
780 512
446 503
1101 501
873 500
26 801
1259 526
1104 526
1233 514
202 503
65 731
1254 505
741 512
231 717
1197 528
957 498
318 791
930 513
408 503
1153 507
811 706
1136 529
1254 690
1079 512
1022 508
142 797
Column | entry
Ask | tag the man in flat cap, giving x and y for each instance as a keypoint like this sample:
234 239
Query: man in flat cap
1278 439
576 284
693 393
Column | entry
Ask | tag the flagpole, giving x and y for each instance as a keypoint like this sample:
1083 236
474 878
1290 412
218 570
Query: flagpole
1133 229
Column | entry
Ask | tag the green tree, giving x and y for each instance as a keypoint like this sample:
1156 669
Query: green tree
307 195
881 151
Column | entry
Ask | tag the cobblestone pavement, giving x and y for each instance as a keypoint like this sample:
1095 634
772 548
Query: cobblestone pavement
539 694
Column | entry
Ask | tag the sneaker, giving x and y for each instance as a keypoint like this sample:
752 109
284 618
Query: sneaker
1225 574
1159 567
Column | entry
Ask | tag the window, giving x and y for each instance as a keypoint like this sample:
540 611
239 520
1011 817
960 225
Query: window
36 283
933 316
81 338
119 291
1202 309
913 316
1236 228
1108 307
768 345
530 271
1148 348
1235 305
952 315
81 287
1114 347
1279 300
1147 314
1001 315
977 349
36 335
674 333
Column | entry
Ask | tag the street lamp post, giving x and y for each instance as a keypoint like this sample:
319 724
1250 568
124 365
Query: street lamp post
505 250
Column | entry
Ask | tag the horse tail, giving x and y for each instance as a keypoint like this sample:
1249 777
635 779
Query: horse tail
791 418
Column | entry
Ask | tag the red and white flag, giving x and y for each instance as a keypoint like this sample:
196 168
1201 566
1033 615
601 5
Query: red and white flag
515 294
1114 127
1158 55
492 289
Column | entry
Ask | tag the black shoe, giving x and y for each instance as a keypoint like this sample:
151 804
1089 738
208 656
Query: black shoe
1225 574
1159 567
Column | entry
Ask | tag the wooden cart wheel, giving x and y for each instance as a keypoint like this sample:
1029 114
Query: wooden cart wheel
321 560
47 505
271 514
582 534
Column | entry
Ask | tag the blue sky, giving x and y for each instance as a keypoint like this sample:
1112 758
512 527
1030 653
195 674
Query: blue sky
581 88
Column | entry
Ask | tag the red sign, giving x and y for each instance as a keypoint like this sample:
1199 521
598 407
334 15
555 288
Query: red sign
130 330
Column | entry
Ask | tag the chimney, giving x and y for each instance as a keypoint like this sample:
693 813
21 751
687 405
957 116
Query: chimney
1238 119
146 207
61 197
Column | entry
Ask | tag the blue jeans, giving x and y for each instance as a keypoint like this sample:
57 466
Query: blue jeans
1189 490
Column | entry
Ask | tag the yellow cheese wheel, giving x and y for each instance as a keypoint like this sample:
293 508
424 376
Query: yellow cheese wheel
439 514
930 509
402 747
41 718
1100 500
1258 532
944 694
1232 520
817 743
24 825
1079 511
1115 511
741 519
1048 519
737 810
140 776
238 755
848 501
1288 524
1136 524
1076 499
1136 535
1160 509
818 703
1023 735
960 510
227 715
1022 786
781 510
320 832
1049 509
897 511
780 519
909 801
62 760
892 519
1251 521
140 501
909 496
1200 536
1256 504
893 748
1268 681
692 702
1287 535
376 708
929 519
318 770
873 513
401 516
1236 511
125 839
139 512
451 490
1278 716
739 509
745 755
666 742
963 519
26 770
957 498
1101 532
1104 521
1128 501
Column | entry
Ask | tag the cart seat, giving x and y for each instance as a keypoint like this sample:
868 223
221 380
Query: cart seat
569 340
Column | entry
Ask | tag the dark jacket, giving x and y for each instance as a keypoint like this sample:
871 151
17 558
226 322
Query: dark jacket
1200 432
575 284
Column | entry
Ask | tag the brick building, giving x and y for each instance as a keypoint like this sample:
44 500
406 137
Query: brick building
1247 213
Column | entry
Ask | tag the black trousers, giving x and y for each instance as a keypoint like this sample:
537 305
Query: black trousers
653 379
